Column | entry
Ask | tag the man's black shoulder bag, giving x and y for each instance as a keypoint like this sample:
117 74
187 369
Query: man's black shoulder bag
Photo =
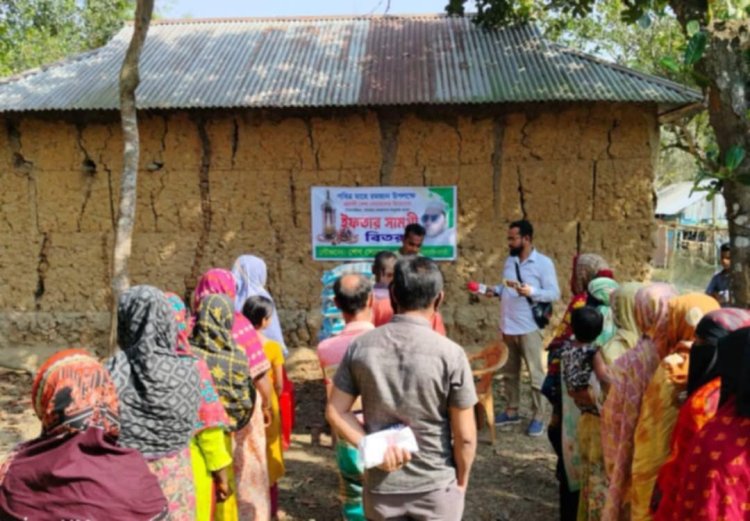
542 311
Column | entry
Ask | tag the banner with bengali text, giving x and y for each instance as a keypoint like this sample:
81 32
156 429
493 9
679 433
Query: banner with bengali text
355 223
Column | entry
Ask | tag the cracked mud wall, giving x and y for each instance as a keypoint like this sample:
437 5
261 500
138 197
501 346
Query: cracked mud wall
216 185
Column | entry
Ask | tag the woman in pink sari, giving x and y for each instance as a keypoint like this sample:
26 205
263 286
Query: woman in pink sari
250 469
630 376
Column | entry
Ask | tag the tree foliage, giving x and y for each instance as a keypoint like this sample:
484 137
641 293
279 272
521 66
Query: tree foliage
36 32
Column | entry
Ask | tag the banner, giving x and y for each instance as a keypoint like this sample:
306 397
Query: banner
356 223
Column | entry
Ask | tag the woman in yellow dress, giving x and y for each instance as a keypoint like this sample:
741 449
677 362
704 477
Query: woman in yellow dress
258 310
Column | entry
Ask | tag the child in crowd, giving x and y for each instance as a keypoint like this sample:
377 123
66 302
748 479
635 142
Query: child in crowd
720 285
259 310
577 355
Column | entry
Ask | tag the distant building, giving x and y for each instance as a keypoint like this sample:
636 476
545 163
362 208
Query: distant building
688 221
682 203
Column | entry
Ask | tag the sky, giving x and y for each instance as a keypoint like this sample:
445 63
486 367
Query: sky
237 8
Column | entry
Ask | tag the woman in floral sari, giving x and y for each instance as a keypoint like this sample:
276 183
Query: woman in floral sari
629 377
209 455
661 400
251 500
716 481
703 388
586 267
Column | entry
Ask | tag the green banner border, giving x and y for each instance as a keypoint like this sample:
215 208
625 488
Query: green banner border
333 253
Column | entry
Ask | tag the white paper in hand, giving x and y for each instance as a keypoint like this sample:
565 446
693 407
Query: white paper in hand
372 447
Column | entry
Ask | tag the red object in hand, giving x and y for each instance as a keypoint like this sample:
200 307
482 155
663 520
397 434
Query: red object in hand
472 286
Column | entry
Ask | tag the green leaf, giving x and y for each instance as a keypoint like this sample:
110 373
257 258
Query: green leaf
692 27
734 157
700 79
670 64
695 48
710 196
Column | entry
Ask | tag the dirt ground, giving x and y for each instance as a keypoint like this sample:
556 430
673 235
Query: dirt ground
514 480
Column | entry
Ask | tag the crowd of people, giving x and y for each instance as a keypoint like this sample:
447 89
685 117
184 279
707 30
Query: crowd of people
183 423
649 393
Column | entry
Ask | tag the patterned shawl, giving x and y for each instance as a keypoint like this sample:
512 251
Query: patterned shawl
716 484
630 376
250 272
623 316
75 456
159 389
72 392
212 340
221 282
600 289
211 413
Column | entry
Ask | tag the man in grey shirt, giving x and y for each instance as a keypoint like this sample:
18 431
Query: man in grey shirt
407 374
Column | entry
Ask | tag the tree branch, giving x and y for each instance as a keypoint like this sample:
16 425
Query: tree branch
686 141
129 79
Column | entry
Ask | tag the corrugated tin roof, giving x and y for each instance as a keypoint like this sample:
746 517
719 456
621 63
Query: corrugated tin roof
680 199
328 62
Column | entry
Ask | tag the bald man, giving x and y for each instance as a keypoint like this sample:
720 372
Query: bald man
353 296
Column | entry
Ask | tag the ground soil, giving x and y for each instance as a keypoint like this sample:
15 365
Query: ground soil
514 480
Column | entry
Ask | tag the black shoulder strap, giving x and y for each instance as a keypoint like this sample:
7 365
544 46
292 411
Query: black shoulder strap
518 274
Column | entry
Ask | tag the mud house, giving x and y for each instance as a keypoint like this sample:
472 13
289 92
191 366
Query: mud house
239 118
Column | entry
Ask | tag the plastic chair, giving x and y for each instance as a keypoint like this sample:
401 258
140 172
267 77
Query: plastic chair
488 361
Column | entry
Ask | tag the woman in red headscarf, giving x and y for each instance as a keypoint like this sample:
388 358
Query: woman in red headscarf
75 469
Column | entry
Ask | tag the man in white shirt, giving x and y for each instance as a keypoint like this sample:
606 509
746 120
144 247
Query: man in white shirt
527 275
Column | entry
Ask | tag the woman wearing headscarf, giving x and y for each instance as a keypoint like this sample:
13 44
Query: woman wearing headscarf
587 430
703 392
716 482
661 401
75 469
600 290
250 273
209 455
586 267
159 393
622 309
629 377
249 451
626 335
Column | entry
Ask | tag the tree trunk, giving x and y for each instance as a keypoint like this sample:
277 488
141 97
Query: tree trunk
727 64
129 79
